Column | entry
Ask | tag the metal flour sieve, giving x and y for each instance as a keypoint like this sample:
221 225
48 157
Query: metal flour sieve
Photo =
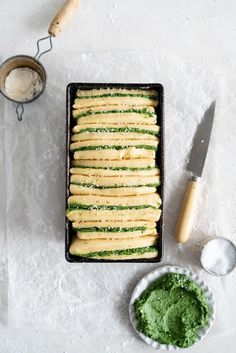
32 62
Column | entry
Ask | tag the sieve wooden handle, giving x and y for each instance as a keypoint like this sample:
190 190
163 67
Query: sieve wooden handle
186 216
62 17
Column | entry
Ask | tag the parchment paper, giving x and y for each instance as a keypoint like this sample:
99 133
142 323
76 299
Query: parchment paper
44 291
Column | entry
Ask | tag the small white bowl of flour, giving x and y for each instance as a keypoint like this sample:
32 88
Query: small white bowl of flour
218 256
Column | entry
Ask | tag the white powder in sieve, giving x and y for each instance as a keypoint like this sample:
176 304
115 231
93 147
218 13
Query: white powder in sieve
219 256
23 84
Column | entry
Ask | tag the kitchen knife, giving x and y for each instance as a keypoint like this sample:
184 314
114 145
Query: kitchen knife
195 166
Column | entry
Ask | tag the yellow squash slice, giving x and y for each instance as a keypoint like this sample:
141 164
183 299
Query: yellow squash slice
128 191
110 154
126 163
114 224
102 91
115 181
111 173
114 215
80 247
115 235
152 200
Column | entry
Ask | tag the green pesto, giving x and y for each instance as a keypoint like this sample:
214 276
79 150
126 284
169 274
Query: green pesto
78 206
154 185
113 147
118 129
109 229
107 95
145 112
135 251
114 168
171 310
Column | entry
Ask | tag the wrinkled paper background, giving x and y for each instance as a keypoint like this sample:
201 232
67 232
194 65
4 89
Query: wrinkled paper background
38 287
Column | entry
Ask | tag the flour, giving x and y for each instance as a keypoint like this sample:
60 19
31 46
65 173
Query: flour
219 256
23 84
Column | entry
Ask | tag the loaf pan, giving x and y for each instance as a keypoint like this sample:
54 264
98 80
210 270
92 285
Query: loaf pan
70 96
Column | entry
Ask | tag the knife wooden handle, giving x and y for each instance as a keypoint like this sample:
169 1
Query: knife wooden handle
62 17
186 216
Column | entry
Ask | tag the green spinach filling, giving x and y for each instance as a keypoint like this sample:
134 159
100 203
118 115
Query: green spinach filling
114 168
154 185
118 129
107 95
135 251
78 206
144 111
112 147
109 229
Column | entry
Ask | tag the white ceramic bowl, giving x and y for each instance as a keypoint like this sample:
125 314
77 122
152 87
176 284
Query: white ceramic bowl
152 276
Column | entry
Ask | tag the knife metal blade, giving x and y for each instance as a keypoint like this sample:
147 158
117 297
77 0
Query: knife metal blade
201 142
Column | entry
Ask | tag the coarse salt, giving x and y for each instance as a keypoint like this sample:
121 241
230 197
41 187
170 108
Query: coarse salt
219 256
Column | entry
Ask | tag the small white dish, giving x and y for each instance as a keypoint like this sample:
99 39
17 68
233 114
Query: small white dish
152 276
219 258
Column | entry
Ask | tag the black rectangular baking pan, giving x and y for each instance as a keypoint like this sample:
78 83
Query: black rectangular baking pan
70 96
